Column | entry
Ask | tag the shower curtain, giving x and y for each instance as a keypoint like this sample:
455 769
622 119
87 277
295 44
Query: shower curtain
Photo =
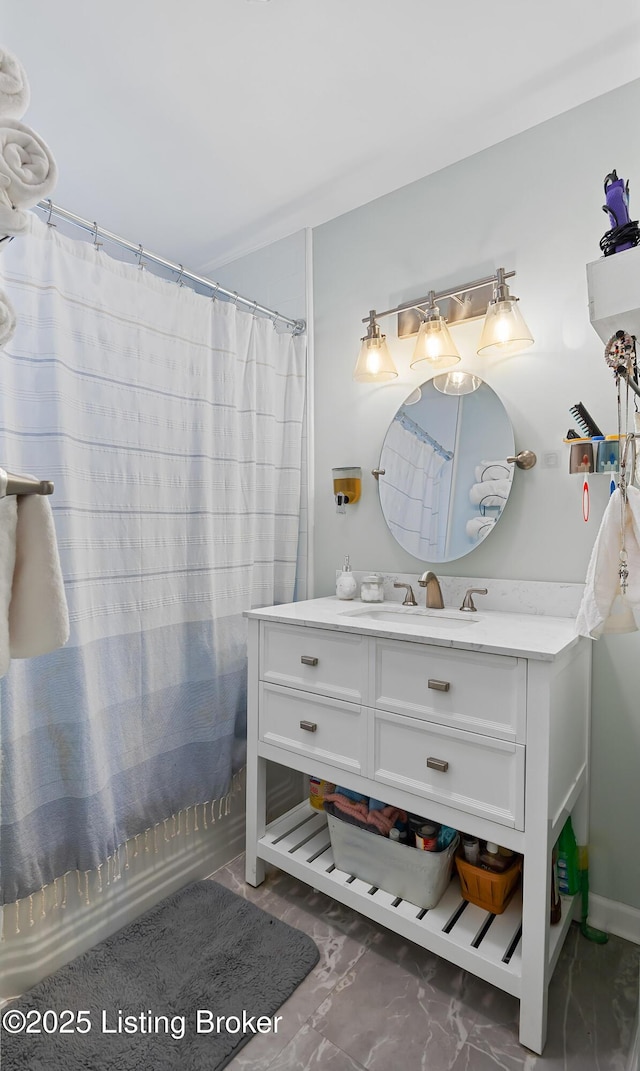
171 426
410 492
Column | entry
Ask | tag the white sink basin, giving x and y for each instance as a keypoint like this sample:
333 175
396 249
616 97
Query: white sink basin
414 617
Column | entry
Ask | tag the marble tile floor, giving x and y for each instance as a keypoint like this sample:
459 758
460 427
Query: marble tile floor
377 1002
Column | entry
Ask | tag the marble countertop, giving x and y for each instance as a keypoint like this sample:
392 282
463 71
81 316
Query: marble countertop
496 632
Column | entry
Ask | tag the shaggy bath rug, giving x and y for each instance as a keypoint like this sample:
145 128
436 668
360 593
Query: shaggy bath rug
182 988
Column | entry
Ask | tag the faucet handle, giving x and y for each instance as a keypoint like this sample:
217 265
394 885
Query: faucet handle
409 599
467 602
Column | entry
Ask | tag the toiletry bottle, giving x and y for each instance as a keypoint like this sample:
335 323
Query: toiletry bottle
555 909
567 868
346 586
490 858
318 789
471 848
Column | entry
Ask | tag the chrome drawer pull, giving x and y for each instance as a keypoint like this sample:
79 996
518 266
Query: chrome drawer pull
438 764
309 726
308 660
438 686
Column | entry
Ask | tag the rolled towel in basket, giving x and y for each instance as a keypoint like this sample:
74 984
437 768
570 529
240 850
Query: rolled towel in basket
28 171
7 319
14 87
490 492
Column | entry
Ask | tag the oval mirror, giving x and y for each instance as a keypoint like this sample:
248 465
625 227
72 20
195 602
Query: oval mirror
446 477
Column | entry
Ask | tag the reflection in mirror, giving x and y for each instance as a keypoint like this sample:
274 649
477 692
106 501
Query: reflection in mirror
446 476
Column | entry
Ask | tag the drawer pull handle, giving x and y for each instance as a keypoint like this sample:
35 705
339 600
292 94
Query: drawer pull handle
309 726
438 764
438 686
308 660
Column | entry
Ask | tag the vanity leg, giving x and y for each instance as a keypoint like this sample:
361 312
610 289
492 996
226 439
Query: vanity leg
256 796
256 815
536 904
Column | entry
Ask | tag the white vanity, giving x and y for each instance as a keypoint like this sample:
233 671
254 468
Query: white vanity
479 721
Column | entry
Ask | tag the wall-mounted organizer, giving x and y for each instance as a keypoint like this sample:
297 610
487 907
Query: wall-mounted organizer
598 455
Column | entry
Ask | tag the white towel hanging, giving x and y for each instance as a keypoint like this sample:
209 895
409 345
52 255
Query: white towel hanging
34 618
604 608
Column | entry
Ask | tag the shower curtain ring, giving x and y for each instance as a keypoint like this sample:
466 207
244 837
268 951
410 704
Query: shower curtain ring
276 316
96 243
49 223
140 255
255 306
236 297
179 279
215 291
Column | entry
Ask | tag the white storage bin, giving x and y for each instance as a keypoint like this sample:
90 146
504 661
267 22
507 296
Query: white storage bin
410 873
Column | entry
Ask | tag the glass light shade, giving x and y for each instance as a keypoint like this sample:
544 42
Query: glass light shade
375 363
456 383
504 330
434 345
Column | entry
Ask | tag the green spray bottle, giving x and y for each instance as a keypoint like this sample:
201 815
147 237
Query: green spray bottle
568 865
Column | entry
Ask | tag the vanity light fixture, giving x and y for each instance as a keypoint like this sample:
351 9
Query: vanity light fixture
456 383
375 363
434 346
504 330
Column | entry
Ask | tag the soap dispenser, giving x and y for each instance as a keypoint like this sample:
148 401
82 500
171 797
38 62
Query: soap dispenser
346 586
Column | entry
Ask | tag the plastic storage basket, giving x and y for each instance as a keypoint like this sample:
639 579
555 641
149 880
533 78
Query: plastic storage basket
486 889
410 873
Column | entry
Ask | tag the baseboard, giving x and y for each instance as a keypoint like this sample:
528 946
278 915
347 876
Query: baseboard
614 917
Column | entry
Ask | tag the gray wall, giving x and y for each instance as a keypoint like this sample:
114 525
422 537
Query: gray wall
533 204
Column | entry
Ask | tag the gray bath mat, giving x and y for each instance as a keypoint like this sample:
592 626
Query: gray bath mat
180 989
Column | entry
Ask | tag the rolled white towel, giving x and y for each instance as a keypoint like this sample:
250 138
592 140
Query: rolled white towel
12 221
479 527
490 492
28 171
7 320
494 470
14 87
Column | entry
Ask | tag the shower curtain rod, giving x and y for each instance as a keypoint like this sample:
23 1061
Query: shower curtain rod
297 326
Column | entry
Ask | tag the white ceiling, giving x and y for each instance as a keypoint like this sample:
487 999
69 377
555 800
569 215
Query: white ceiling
206 128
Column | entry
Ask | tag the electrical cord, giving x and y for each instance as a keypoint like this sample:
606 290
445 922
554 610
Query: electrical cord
617 236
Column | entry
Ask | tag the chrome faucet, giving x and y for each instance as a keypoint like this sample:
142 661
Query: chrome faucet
433 597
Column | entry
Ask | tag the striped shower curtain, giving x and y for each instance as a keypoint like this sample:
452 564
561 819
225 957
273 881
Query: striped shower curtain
171 425
410 490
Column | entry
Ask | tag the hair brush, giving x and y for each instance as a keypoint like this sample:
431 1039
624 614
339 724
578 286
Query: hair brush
584 420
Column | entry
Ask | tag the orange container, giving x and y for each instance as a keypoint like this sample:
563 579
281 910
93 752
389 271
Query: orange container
486 889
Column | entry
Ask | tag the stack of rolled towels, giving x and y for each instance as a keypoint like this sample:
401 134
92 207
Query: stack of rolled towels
28 171
493 483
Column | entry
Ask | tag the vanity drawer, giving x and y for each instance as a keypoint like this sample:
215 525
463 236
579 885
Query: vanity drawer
477 774
466 690
319 727
315 660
